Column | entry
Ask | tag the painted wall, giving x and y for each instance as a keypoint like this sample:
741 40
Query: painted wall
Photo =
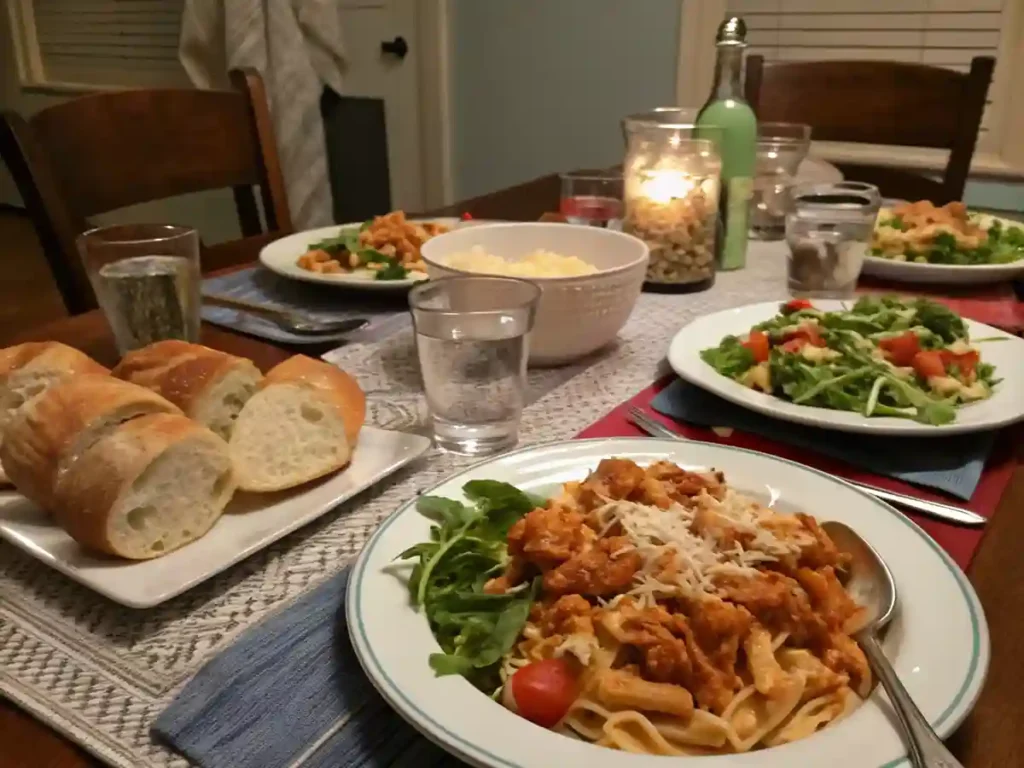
541 85
212 213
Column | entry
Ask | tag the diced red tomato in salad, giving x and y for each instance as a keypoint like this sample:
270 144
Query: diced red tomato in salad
759 344
467 216
808 332
967 362
901 350
795 305
794 345
542 691
928 364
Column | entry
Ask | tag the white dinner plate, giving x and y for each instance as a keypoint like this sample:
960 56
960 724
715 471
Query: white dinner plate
1005 406
281 256
947 274
938 641
251 522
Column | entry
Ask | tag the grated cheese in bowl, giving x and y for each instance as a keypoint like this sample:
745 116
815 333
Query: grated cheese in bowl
539 263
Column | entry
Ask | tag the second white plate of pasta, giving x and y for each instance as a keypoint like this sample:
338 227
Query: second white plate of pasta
601 603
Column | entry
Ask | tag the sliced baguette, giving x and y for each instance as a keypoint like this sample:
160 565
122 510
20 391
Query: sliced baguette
29 369
302 424
146 487
48 434
210 386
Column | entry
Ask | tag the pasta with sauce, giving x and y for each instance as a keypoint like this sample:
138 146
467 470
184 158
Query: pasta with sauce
691 619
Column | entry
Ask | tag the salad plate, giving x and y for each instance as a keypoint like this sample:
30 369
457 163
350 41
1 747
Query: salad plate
1002 404
394 642
900 254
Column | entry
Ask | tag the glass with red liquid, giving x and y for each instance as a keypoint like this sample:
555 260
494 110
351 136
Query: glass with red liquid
592 198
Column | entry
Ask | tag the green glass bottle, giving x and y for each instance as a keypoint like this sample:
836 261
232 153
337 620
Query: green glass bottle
728 120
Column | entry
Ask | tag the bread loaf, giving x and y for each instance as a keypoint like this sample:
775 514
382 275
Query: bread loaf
28 369
301 424
208 385
50 432
145 487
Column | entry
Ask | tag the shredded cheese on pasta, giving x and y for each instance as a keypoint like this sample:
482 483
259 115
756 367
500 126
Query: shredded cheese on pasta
655 532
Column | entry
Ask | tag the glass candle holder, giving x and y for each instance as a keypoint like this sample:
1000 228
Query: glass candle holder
670 190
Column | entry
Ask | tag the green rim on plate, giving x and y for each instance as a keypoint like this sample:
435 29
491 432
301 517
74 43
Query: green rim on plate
476 752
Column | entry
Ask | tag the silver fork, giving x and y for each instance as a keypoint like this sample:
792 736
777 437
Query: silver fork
945 512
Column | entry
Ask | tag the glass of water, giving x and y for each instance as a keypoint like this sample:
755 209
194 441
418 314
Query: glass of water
592 198
146 279
828 232
472 338
781 147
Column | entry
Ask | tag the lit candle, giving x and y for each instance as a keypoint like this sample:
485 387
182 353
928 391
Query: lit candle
664 185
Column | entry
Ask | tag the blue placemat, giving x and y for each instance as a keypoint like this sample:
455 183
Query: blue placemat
951 464
387 312
288 692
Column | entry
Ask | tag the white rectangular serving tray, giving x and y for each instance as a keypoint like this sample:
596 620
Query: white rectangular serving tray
251 522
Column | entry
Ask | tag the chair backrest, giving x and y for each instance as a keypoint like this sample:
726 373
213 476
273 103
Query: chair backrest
105 151
880 102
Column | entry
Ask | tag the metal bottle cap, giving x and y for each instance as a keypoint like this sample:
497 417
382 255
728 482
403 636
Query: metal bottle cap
732 31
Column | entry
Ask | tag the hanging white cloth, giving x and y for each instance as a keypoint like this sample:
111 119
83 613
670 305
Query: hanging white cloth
296 45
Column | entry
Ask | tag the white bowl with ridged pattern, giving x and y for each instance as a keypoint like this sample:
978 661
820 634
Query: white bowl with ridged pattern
576 315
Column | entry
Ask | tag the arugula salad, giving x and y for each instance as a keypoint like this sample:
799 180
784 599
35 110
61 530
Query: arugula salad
467 547
882 357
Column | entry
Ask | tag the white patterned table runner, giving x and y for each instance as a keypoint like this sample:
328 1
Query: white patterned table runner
101 673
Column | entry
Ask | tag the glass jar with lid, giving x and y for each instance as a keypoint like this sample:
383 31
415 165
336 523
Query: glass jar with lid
670 190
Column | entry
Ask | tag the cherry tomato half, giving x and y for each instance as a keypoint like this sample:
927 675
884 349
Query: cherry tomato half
759 345
793 346
795 305
928 364
542 691
901 349
965 361
809 332
467 216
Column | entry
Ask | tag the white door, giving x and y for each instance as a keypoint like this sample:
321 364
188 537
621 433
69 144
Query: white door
393 77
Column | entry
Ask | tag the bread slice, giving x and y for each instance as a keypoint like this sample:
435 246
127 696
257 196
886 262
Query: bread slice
146 487
29 369
210 386
302 424
48 433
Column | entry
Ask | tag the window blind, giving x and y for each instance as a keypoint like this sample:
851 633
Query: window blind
109 42
944 33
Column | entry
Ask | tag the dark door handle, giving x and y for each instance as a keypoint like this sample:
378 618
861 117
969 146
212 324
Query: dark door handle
397 47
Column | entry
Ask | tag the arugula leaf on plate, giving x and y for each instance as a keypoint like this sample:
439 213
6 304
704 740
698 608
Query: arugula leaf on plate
467 548
730 358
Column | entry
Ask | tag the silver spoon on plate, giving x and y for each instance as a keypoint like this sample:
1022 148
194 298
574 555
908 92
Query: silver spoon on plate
872 586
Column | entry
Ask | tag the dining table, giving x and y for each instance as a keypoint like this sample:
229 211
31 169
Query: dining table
990 737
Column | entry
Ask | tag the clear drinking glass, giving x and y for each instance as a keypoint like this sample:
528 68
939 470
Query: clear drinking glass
828 232
861 186
472 337
592 198
781 147
146 278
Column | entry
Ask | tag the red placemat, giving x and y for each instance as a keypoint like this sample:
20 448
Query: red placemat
959 542
995 305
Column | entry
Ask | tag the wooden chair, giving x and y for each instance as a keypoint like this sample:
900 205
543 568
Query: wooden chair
102 152
880 102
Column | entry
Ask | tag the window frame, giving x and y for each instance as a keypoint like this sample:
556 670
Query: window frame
1005 160
29 61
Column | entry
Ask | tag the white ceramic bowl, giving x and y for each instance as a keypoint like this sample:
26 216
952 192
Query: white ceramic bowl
576 315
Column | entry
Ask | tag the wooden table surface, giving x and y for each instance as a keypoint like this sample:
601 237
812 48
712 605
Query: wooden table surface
991 737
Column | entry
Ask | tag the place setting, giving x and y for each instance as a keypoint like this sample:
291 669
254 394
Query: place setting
702 459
